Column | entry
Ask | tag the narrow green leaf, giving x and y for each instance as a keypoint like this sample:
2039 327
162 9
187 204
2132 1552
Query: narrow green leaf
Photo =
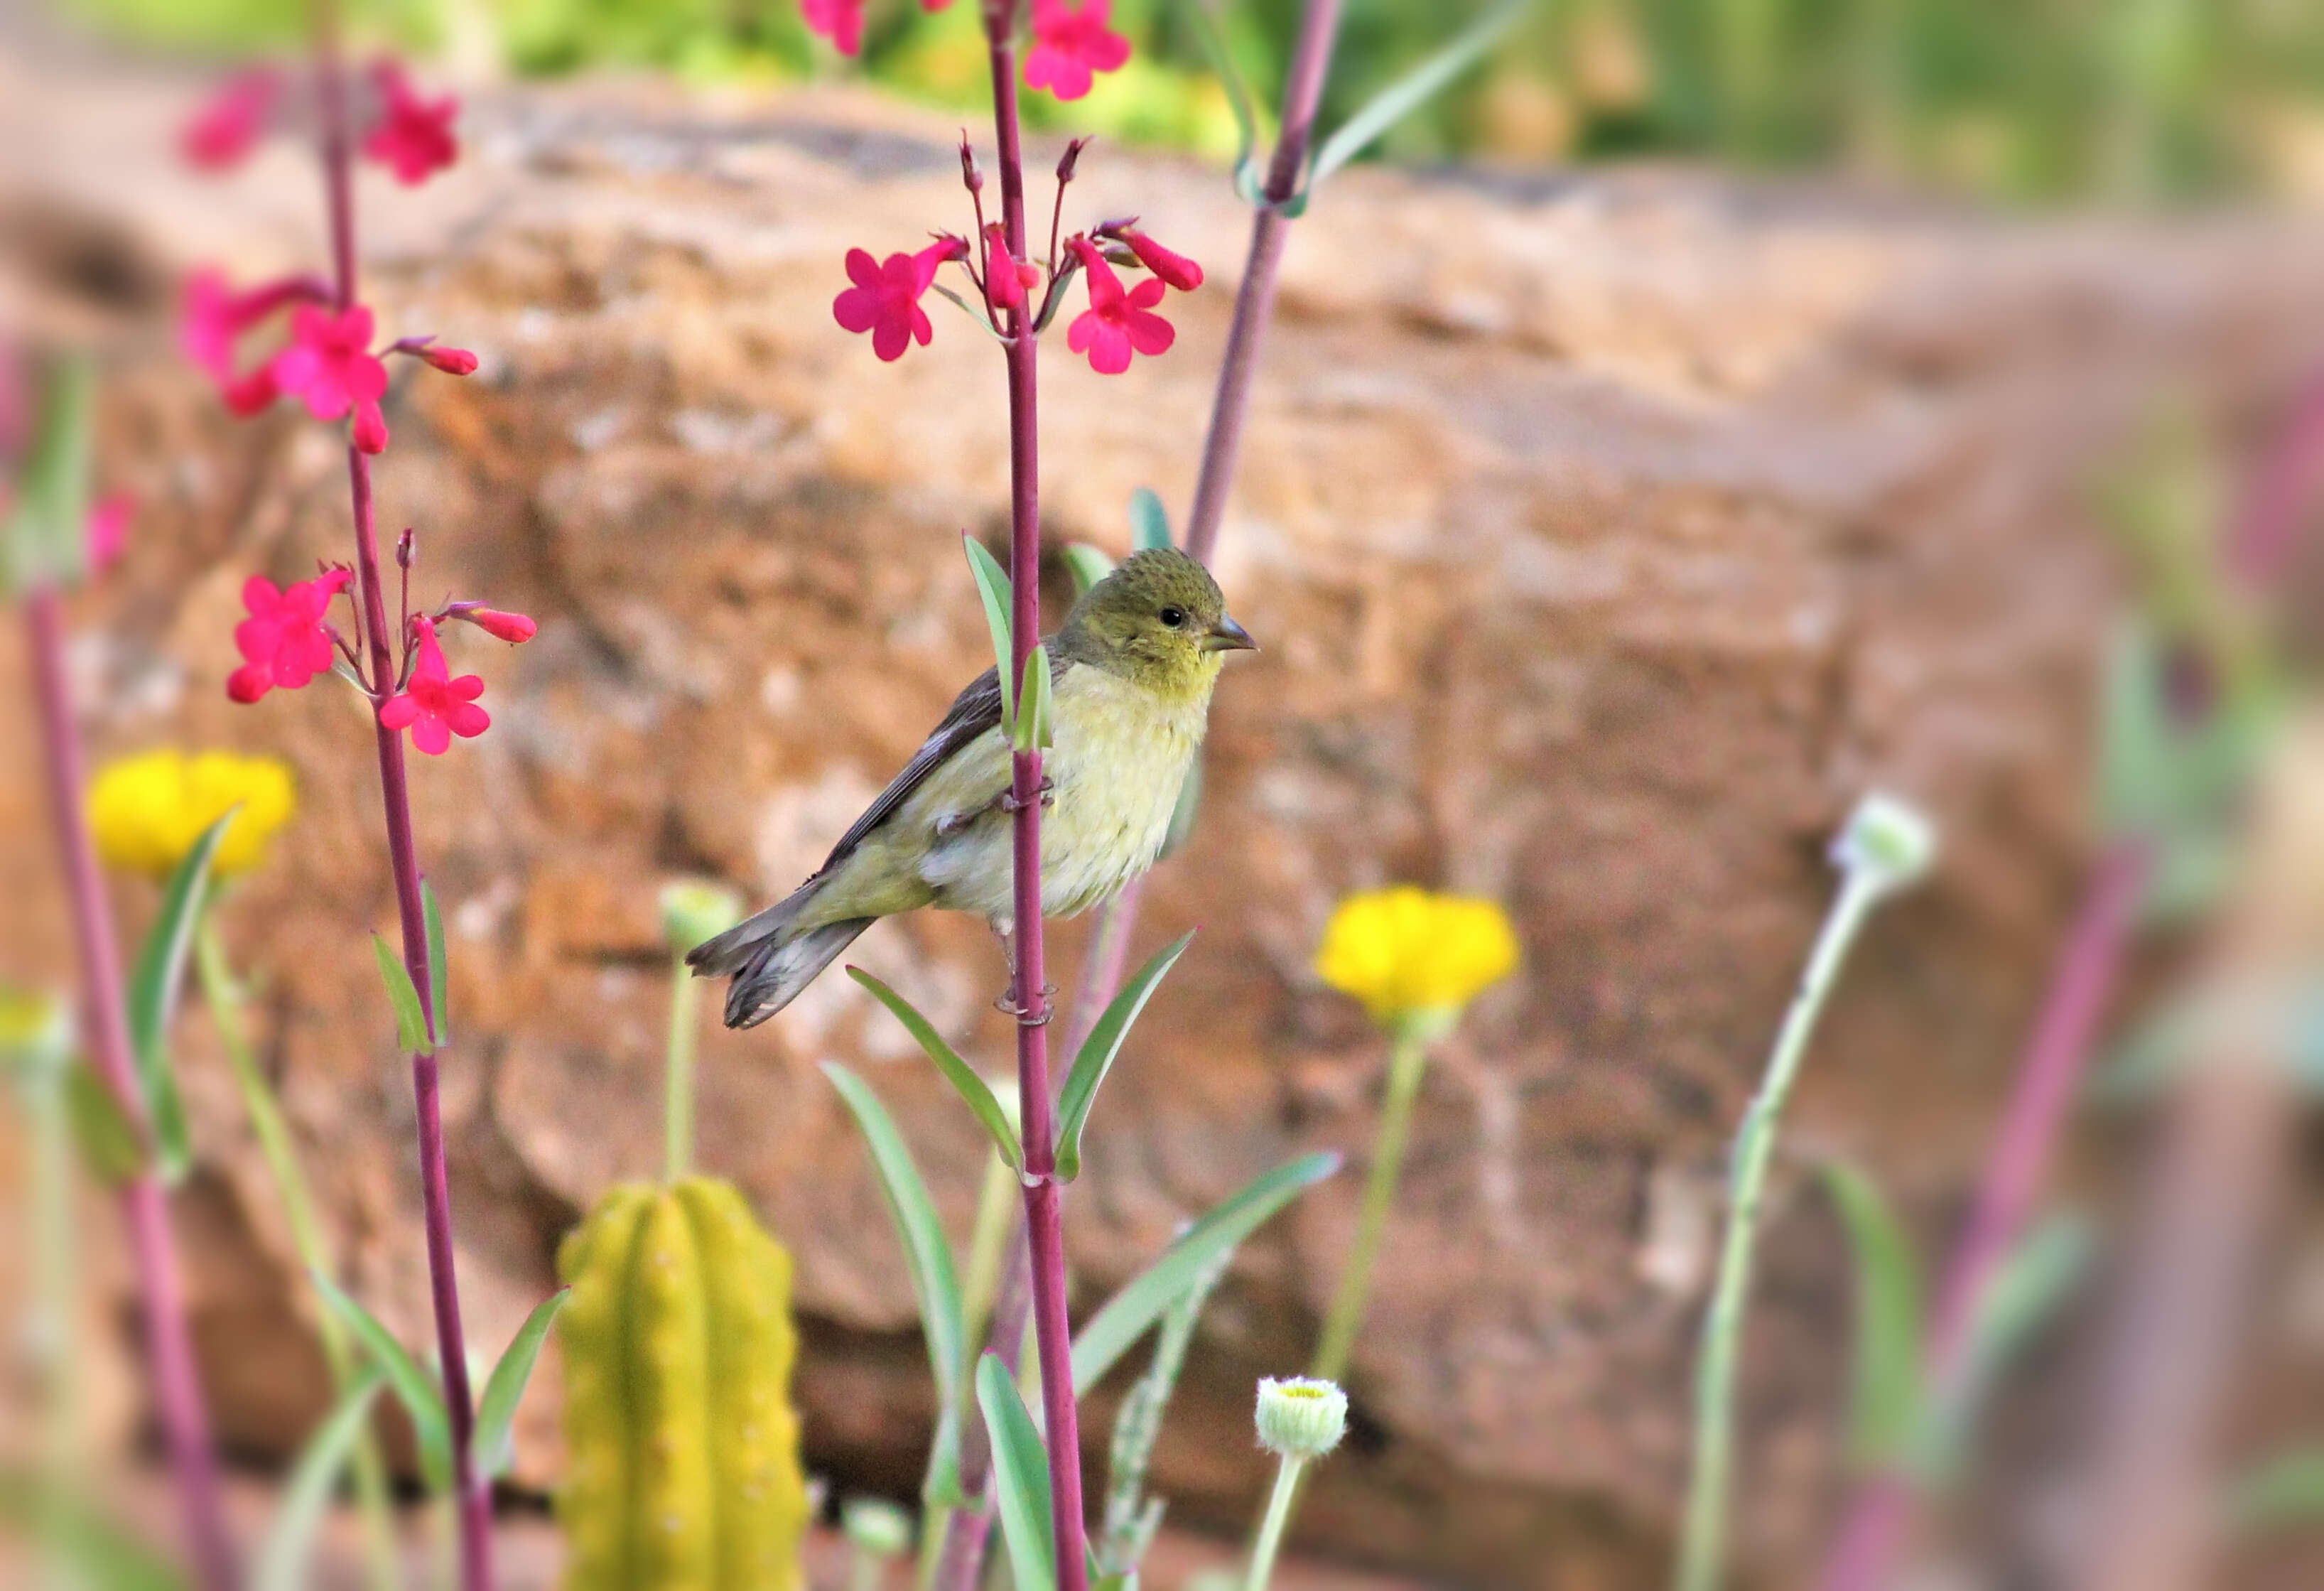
1246 162
47 538
1032 730
438 991
964 1077
2287 1488
993 587
1150 522
153 999
1885 1400
1098 1051
414 1388
2037 1277
1115 1328
935 1283
1088 566
1020 1475
282 1561
111 1146
104 1549
1405 95
983 321
410 1026
492 1441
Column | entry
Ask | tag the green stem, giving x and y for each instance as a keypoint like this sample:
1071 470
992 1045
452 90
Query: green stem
1406 1065
1270 1534
678 1108
1702 1545
223 994
56 1285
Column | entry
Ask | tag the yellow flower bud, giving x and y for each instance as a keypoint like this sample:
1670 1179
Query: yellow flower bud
1412 954
148 812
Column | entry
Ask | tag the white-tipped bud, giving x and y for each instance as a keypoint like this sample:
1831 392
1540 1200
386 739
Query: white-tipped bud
876 1526
1888 842
1300 1418
693 912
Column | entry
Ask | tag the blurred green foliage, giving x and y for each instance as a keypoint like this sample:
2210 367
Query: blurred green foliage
2027 99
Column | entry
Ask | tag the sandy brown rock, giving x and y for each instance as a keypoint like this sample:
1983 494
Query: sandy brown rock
1606 536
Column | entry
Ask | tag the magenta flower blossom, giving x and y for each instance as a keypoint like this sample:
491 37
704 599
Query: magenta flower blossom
886 298
284 641
108 530
1071 45
839 21
1005 280
1118 322
434 706
330 366
215 318
414 136
1171 266
225 128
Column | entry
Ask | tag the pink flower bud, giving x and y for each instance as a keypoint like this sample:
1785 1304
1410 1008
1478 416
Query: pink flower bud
514 628
460 362
1172 267
1002 284
370 428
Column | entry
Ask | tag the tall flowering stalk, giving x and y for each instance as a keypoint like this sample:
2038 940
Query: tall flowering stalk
331 364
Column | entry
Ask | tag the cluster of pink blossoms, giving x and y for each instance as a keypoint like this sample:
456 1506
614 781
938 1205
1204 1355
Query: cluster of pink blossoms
1071 41
329 363
1120 322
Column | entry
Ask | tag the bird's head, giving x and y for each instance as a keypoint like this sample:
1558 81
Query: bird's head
1157 619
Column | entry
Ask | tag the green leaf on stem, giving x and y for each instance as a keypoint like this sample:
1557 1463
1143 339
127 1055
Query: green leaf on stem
1246 120
111 1146
935 1283
964 1077
413 1387
104 1549
1400 98
1020 1475
48 538
1087 564
1098 1051
1150 522
2024 1293
493 1443
411 1023
1032 730
153 999
282 1561
1885 1401
1114 1329
436 994
2287 1488
993 585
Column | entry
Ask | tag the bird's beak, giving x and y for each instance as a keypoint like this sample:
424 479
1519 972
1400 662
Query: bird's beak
1226 636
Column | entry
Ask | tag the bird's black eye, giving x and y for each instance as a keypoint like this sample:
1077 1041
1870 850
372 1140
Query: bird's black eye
1173 616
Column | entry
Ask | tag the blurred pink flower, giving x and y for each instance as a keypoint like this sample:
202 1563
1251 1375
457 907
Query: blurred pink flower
435 707
1117 323
839 21
108 530
330 366
215 317
1071 44
233 120
414 135
284 641
886 298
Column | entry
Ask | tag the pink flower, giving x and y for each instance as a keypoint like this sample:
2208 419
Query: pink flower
1070 43
215 318
1172 267
435 707
284 641
224 130
512 628
1117 323
330 366
1005 280
414 135
886 298
839 21
108 530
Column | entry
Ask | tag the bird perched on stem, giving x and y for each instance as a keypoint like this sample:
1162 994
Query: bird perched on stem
1132 672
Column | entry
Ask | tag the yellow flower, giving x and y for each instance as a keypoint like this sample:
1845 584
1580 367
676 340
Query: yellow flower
1407 953
148 810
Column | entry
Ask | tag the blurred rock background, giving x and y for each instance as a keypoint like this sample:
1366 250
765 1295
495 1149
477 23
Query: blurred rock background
1606 533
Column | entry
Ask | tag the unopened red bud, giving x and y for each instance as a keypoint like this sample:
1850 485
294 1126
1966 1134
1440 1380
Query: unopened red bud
407 549
1171 266
968 172
512 628
451 361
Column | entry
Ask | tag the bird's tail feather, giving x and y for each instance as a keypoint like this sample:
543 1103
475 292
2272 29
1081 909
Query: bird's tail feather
771 960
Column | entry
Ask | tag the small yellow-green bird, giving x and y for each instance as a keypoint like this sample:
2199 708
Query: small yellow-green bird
1133 672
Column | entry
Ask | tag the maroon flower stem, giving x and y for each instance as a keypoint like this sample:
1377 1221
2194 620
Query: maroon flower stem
1881 1515
1043 1197
1303 91
474 1493
169 1345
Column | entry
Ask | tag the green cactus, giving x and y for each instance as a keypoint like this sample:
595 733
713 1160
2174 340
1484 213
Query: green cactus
683 1450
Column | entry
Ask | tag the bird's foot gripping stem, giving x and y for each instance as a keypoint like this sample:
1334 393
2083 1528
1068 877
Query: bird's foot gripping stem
1008 802
1010 1005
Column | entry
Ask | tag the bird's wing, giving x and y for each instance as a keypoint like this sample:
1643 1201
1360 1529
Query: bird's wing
974 712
